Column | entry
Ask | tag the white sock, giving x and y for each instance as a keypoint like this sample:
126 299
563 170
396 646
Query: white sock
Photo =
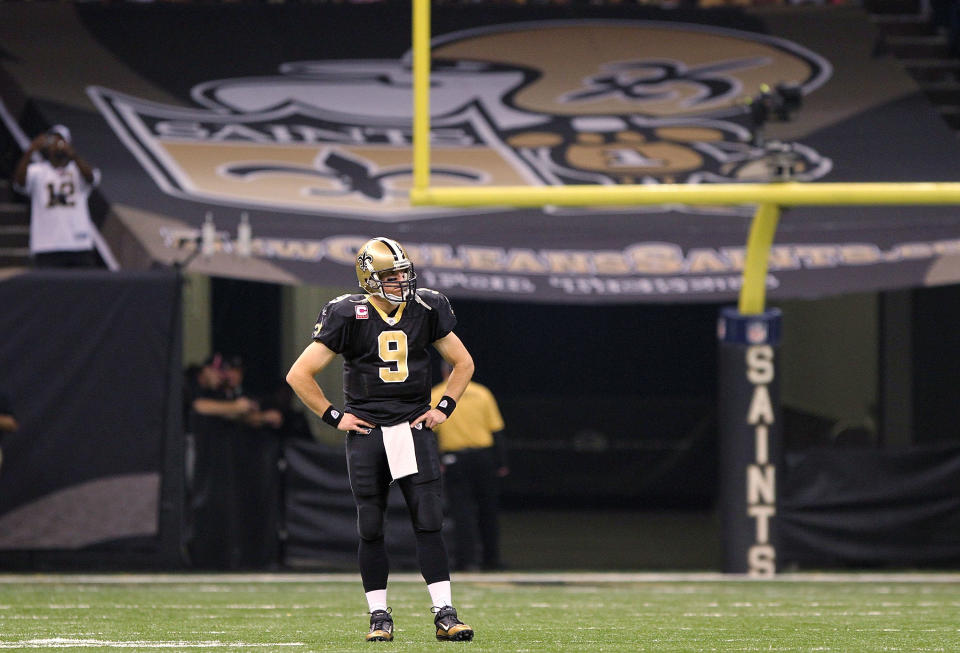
440 593
377 599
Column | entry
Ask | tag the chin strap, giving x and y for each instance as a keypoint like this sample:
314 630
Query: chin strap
393 302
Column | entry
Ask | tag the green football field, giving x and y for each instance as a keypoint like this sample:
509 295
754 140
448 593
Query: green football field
510 612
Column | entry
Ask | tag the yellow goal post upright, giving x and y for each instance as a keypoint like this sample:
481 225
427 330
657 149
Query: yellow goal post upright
748 396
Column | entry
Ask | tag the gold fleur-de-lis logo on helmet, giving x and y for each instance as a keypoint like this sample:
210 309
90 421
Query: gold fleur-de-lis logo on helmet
365 261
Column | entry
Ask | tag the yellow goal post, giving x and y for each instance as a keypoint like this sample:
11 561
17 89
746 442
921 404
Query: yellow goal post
769 197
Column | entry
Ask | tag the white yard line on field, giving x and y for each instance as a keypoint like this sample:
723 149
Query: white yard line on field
63 642
500 577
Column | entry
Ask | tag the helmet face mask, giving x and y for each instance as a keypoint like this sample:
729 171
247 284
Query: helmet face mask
399 289
384 269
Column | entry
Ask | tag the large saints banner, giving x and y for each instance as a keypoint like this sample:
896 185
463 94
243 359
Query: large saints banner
300 119
525 103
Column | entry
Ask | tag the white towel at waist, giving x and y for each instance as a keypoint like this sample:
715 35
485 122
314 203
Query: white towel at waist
401 455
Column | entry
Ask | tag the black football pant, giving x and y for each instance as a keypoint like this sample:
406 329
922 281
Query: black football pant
370 482
473 493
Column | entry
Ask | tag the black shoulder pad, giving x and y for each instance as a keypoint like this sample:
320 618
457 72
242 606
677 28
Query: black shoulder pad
431 298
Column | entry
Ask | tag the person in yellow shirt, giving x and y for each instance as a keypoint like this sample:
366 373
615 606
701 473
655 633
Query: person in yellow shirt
473 457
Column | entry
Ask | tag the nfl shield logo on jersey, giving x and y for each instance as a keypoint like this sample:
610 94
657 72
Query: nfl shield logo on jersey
360 312
756 333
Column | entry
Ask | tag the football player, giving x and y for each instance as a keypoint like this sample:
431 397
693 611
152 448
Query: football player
383 335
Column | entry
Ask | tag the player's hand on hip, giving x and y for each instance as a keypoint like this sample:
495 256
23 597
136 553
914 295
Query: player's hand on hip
351 422
430 419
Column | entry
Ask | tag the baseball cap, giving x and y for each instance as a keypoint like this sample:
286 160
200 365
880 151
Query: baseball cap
62 130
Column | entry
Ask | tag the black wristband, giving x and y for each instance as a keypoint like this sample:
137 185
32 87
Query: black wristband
446 405
332 416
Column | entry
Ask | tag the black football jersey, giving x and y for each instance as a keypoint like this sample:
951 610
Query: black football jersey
386 371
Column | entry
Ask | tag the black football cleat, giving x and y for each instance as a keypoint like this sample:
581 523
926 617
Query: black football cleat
449 628
381 626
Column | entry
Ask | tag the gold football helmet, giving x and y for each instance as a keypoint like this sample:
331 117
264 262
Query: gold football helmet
376 259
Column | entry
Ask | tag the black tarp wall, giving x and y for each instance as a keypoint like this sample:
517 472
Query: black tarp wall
94 476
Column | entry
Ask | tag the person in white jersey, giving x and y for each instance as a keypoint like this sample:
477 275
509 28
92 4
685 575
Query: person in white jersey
59 184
